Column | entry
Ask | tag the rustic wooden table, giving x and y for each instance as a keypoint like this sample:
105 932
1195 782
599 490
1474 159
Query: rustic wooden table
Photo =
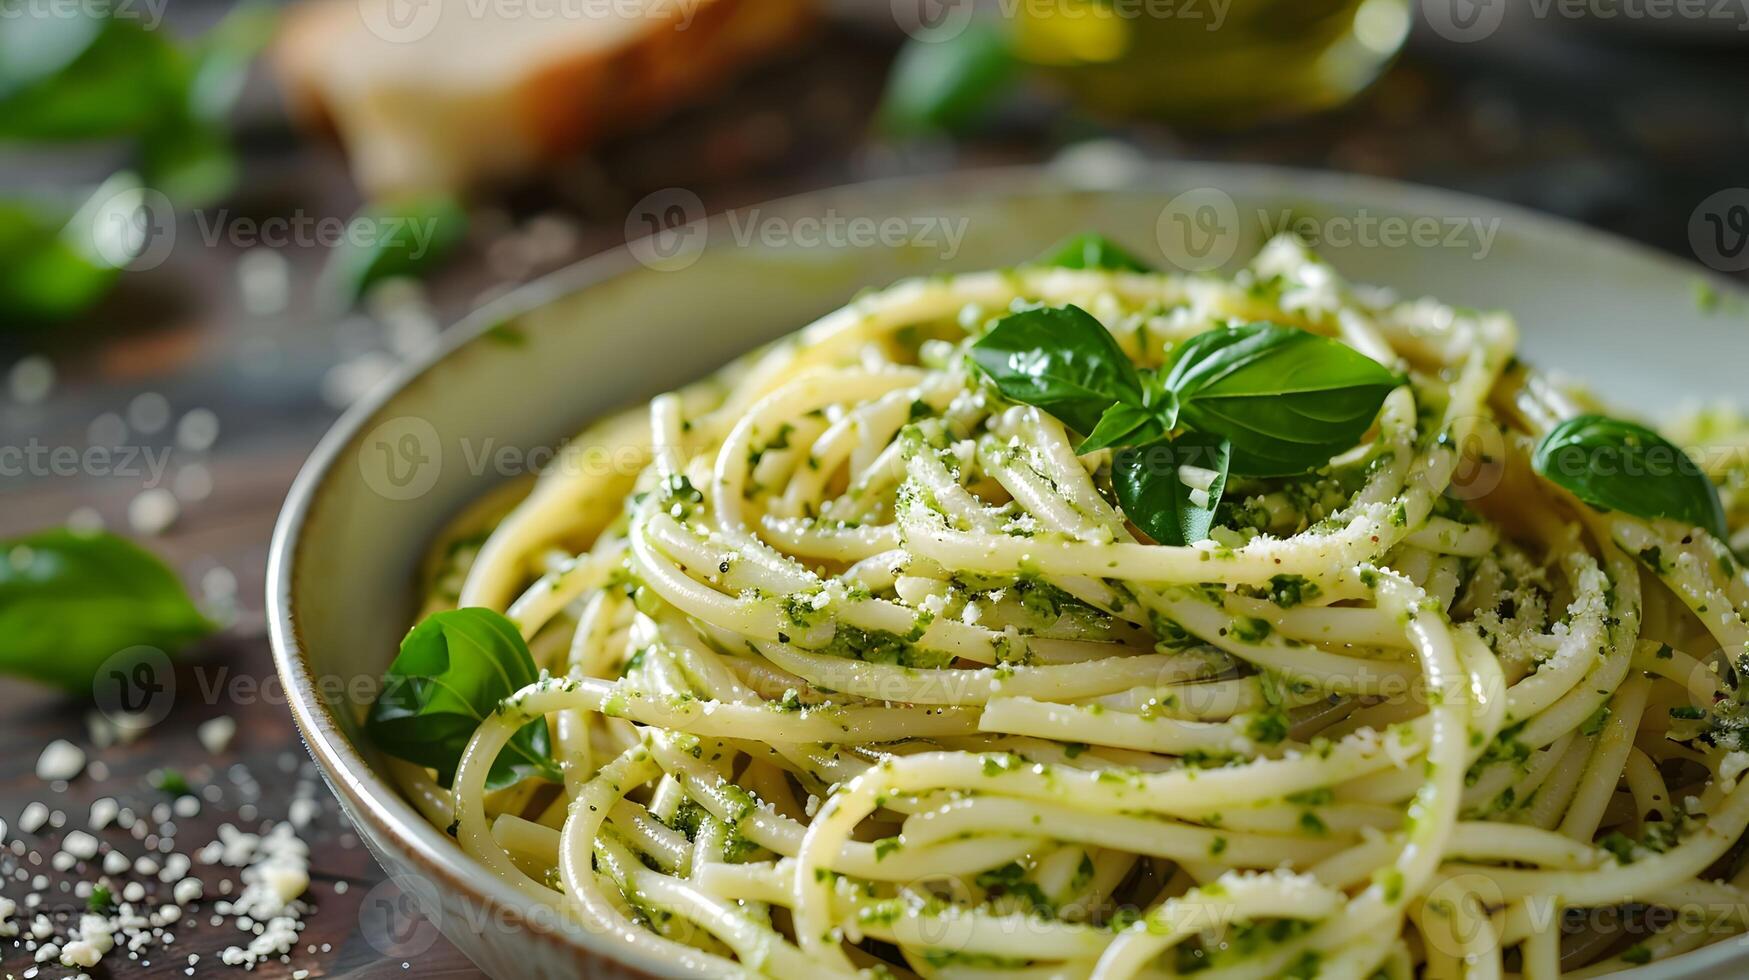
1627 139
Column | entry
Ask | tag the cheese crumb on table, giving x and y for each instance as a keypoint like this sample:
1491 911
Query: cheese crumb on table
120 910
60 760
215 735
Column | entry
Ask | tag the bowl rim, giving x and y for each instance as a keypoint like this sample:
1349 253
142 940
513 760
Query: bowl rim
373 798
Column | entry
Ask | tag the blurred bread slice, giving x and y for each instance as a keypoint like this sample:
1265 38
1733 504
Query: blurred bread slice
439 94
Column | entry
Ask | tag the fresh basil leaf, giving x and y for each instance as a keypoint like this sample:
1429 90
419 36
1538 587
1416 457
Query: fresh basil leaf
1288 400
1091 250
453 670
187 155
38 45
1149 481
220 59
1129 425
1121 424
944 85
55 265
109 77
43 276
83 76
402 237
70 601
190 162
1616 465
1062 360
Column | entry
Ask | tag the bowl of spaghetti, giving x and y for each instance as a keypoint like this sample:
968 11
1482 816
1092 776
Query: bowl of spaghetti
1190 594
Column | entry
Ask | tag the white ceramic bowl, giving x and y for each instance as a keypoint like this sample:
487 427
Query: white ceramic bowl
611 331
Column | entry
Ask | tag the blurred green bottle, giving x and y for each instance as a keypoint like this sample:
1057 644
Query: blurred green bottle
1220 63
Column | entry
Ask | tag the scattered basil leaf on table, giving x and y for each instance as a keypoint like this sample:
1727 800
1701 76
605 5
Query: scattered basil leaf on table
945 84
1171 487
1091 250
1287 399
400 237
70 601
453 670
1257 400
1616 465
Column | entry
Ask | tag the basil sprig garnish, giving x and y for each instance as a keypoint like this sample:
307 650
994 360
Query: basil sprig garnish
1091 250
453 670
1616 465
1062 360
1170 487
1288 400
1257 399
